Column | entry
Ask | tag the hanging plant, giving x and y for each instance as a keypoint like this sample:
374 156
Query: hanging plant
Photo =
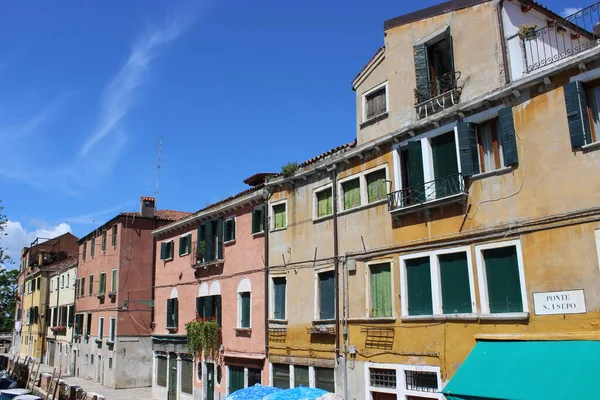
212 338
527 31
195 338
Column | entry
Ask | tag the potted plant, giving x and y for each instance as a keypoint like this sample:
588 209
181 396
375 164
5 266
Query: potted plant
527 31
201 250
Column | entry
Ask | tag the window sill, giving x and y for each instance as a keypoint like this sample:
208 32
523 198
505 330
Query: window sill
243 331
362 207
517 316
499 171
442 317
323 322
324 218
229 242
278 321
591 146
279 229
183 255
374 120
373 320
261 233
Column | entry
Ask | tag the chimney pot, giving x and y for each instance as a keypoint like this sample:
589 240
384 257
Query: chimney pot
147 207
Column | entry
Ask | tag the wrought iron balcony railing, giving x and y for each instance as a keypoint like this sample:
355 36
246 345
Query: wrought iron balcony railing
203 254
440 93
428 192
563 38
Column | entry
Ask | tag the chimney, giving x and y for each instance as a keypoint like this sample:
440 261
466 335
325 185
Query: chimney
147 207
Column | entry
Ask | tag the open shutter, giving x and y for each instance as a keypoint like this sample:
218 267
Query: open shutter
163 251
415 165
450 48
200 307
217 301
327 295
508 137
220 239
175 313
255 220
233 229
422 72
577 116
182 245
209 240
467 144
169 313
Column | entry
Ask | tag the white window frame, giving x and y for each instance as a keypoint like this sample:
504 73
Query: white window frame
179 241
100 328
112 281
401 391
341 193
317 292
113 322
272 296
265 224
292 372
243 288
367 93
436 283
328 186
245 376
482 277
368 287
272 215
234 218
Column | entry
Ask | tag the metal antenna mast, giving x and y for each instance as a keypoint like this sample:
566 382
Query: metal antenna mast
158 161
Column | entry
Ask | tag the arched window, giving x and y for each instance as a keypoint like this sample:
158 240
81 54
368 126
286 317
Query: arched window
173 310
208 302
244 292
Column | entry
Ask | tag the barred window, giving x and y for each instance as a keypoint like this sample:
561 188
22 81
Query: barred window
422 381
187 374
161 379
383 378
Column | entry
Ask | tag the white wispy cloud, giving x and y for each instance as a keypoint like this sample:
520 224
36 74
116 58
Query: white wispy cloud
120 93
97 216
569 11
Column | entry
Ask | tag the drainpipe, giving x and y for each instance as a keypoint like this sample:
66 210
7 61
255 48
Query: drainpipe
153 277
336 280
266 283
503 44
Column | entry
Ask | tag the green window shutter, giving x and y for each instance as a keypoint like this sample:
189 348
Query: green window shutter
232 229
169 313
163 251
71 315
381 290
200 307
209 307
245 309
376 188
256 220
175 313
450 48
189 243
325 379
351 191
503 282
301 376
324 203
415 174
281 376
209 240
507 136
577 115
279 285
467 144
456 291
418 281
279 216
445 165
218 308
187 376
326 295
161 378
422 72
93 249
181 246
220 239
236 379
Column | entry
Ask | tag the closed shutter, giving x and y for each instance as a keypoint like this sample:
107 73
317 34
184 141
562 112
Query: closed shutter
507 136
415 174
187 376
175 313
236 379
209 307
280 216
324 203
422 72
326 295
163 251
418 281
281 376
381 290
245 309
54 316
467 144
503 282
209 241
351 191
279 300
577 115
376 188
200 307
161 378
220 239
181 245
169 313
218 308
456 291
445 165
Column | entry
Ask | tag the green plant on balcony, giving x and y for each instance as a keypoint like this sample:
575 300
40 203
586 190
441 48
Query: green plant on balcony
289 169
526 31
203 335
201 250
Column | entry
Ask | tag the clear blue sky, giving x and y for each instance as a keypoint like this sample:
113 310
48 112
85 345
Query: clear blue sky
233 87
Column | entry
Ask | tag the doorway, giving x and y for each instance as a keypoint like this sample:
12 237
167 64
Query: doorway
210 381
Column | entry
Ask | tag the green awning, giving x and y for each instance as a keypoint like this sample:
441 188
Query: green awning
528 370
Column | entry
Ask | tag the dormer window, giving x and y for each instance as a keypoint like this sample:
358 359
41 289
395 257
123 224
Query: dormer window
375 102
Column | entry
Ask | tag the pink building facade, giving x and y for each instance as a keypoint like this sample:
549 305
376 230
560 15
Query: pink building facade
114 295
212 265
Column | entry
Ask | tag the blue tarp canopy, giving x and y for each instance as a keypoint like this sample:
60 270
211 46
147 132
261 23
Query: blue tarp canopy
297 393
528 370
256 392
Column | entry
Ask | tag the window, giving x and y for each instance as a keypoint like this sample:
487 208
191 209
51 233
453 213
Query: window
210 241
104 240
172 313
55 316
381 290
115 229
79 324
113 282
89 324
279 215
503 289
229 230
63 315
583 112
166 250
91 285
437 283
209 307
301 376
66 281
82 287
258 220
39 283
376 185
411 382
324 379
100 328
244 321
279 292
489 147
84 250
71 317
185 245
236 379
254 376
161 378
375 102
102 285
382 378
323 202
326 295
351 193
281 376
93 246
111 332
62 281
110 363
421 381
187 376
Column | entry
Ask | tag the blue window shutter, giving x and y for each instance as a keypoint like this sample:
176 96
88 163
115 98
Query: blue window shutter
467 144
577 115
422 72
507 136
220 239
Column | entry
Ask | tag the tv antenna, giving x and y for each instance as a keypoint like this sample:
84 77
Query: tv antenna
158 161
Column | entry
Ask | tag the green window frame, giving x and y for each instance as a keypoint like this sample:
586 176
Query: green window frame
376 185
104 240
82 287
279 297
115 230
381 290
208 307
229 230
84 250
351 193
455 283
503 282
245 312
91 285
172 313
324 202
279 216
113 284
281 376
418 286
236 379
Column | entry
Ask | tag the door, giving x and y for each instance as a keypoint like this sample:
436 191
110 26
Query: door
100 369
172 383
210 381
445 165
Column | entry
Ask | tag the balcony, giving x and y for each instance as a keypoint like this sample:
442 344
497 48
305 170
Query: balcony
561 39
446 190
439 94
204 255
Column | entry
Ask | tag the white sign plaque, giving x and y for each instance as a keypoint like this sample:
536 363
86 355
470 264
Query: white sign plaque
563 302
